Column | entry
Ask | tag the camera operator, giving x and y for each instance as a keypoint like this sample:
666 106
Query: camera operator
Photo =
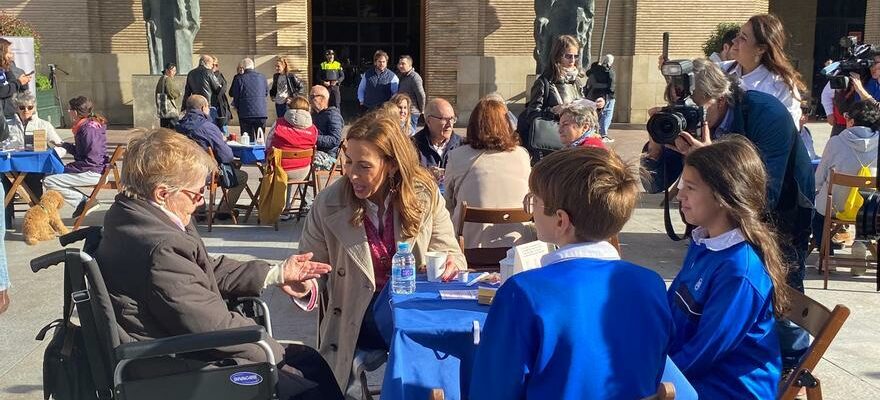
854 78
765 121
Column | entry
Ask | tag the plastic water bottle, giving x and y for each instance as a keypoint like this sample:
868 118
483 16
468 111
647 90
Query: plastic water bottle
403 270
245 139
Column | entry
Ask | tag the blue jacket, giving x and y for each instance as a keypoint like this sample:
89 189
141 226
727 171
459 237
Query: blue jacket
329 123
199 128
377 88
575 329
428 157
249 93
725 338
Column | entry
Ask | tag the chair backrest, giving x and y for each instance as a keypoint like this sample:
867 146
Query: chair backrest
480 258
823 324
298 154
853 181
665 391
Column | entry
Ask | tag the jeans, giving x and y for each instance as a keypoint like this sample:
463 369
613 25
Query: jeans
215 117
414 118
794 341
4 271
67 185
605 117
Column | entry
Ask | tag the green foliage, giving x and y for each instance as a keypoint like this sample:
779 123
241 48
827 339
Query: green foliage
713 44
12 26
43 82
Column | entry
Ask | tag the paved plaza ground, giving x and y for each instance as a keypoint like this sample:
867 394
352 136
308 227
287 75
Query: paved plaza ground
850 369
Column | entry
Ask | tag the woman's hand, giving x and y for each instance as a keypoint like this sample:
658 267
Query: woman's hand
450 271
685 143
4 300
300 268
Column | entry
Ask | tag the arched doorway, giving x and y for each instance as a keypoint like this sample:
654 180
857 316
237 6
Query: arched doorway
355 29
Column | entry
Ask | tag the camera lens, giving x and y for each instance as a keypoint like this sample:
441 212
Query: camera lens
664 126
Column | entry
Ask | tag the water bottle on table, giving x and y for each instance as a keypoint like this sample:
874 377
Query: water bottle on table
403 270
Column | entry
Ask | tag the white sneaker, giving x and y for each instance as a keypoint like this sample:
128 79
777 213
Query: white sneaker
859 251
606 139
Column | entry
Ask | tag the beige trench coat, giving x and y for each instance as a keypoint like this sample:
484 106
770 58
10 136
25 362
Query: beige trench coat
347 290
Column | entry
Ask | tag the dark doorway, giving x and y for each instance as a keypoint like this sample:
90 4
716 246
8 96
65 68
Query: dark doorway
834 20
355 29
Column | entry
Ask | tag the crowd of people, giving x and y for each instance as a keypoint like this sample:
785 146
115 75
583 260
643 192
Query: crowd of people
557 332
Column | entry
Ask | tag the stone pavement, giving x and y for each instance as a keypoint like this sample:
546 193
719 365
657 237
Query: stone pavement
850 370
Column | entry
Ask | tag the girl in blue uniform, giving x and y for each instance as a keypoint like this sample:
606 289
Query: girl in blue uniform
730 288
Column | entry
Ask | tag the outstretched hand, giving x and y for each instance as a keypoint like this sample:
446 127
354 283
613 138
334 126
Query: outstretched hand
685 143
300 268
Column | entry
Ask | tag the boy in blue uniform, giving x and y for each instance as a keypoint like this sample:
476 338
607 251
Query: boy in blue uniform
586 325
723 299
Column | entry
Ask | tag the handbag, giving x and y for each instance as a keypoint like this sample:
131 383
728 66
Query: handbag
66 371
227 177
164 105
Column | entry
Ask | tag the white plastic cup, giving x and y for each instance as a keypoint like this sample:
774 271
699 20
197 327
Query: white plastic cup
463 276
436 264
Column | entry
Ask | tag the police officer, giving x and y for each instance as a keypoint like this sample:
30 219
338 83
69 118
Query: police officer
330 75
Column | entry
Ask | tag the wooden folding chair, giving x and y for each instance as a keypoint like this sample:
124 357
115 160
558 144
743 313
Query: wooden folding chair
823 324
212 185
103 183
336 169
300 187
827 260
487 258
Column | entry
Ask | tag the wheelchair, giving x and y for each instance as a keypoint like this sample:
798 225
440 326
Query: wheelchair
108 357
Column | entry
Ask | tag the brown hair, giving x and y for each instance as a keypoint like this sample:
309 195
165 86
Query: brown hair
162 157
594 186
85 109
285 67
298 103
378 54
560 46
489 128
740 191
4 47
394 102
414 191
770 34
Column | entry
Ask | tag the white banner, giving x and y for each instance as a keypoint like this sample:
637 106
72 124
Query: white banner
23 49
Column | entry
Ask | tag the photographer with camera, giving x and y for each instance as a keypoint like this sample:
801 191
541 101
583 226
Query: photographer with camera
677 129
855 77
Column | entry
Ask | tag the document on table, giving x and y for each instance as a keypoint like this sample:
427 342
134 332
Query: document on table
458 294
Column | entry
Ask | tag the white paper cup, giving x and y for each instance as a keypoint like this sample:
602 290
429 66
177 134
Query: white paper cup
436 264
463 276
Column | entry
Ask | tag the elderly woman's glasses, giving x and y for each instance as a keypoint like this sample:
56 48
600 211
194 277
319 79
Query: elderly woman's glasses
29 108
195 197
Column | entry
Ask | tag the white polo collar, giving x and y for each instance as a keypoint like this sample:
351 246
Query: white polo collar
723 241
598 250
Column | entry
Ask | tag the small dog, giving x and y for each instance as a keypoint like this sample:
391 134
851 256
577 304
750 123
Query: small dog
42 221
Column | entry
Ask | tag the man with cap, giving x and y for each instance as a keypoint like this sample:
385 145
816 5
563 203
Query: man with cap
331 75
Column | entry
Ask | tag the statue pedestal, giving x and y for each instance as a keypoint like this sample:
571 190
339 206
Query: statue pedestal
143 89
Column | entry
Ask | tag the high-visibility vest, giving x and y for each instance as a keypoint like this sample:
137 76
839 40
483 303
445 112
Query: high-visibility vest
333 65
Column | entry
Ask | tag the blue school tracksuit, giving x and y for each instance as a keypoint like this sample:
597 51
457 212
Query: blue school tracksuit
579 328
725 340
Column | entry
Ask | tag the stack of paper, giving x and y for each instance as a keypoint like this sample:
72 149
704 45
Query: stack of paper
485 295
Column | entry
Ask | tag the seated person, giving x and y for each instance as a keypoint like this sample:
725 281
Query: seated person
437 139
162 281
329 122
577 126
197 125
399 104
566 330
732 281
846 153
384 197
89 151
294 132
490 171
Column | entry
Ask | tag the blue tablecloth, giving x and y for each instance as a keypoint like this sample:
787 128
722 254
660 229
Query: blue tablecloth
432 343
249 154
42 162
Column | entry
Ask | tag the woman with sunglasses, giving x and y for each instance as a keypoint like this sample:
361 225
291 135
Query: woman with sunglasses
561 83
162 280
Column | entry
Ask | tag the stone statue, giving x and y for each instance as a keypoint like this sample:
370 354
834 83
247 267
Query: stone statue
562 17
171 28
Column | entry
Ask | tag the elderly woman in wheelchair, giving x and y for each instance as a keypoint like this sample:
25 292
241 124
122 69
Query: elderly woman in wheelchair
162 282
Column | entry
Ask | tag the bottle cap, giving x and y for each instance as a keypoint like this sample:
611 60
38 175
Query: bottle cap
402 247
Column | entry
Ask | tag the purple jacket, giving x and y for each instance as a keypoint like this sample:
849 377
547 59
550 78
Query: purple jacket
89 149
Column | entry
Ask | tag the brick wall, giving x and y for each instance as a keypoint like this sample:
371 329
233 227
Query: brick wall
801 36
872 22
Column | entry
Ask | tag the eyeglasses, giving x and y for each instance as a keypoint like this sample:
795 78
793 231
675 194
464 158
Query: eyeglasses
195 197
529 203
450 120
570 56
22 108
315 96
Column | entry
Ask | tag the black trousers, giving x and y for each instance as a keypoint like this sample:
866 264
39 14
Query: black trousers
335 97
250 125
305 375
170 123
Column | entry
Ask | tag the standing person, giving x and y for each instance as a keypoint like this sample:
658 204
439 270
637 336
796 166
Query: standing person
561 83
564 331
285 85
411 85
249 93
329 122
600 89
12 80
378 84
761 64
437 138
725 53
89 152
221 102
732 281
202 81
4 268
331 76
168 115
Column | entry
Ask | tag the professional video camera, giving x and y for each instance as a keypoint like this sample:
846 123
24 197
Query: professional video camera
681 114
859 59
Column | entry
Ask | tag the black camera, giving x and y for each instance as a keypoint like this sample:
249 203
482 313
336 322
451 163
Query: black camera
682 114
858 59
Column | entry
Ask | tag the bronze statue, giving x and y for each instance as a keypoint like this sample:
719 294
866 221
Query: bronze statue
171 29
562 17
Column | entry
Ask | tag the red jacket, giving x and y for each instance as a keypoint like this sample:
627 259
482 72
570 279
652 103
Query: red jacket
287 137
593 141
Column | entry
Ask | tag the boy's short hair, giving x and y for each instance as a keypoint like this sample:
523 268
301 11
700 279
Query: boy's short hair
865 113
594 186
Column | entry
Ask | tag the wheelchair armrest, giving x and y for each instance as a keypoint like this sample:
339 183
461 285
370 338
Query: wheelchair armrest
191 342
